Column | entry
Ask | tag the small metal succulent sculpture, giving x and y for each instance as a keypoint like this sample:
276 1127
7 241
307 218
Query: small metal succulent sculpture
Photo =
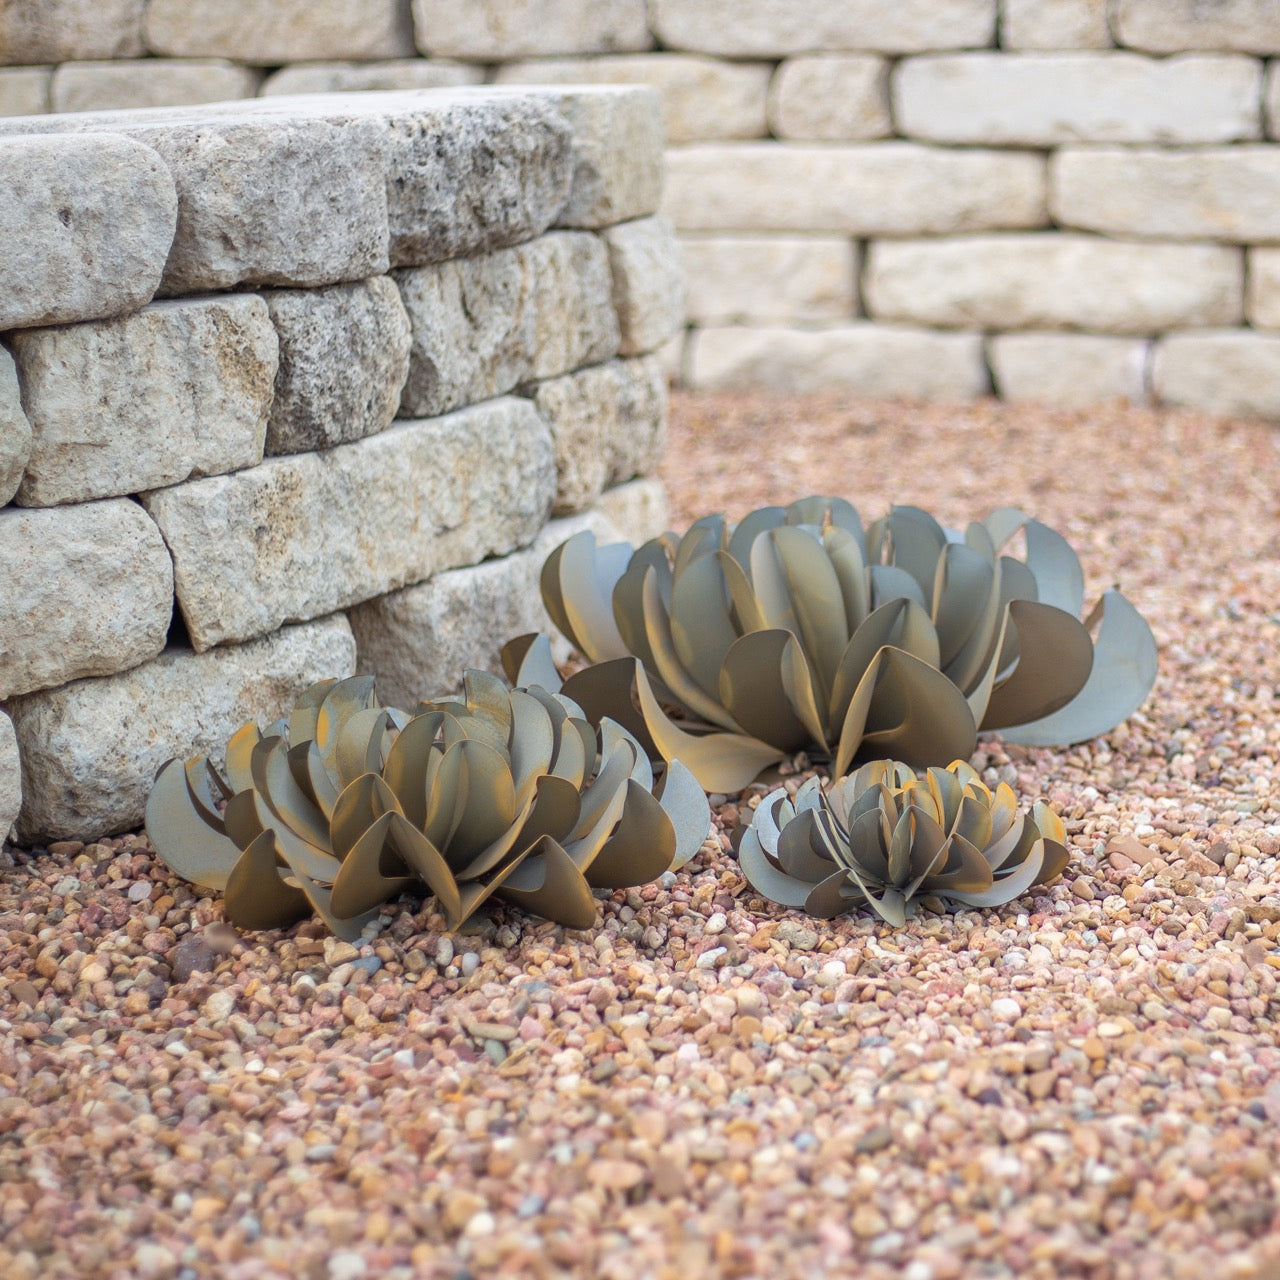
796 629
347 803
885 838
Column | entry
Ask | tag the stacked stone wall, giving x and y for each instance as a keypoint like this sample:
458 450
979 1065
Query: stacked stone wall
303 387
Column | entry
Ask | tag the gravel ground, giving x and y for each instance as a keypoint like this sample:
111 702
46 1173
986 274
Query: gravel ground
1083 1084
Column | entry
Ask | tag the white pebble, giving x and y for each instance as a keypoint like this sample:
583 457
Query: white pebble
254 1066
688 1052
140 891
470 963
346 1266
716 923
707 960
219 1006
176 1047
1007 1009
444 952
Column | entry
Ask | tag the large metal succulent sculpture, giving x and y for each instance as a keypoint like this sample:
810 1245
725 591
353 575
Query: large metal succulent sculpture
798 629
348 803
886 838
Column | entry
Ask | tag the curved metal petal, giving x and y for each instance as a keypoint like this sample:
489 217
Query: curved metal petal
182 839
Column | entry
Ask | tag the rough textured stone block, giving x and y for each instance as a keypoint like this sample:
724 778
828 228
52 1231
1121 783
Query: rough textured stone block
24 91
357 77
867 359
482 326
1271 100
1262 306
90 750
1053 282
703 99
1233 372
1221 193
344 355
609 425
1169 26
671 358
153 82
10 778
495 30
1054 24
831 97
88 590
60 30
758 279
888 188
637 509
86 225
1043 99
15 430
116 406
281 31
301 536
1068 369
648 284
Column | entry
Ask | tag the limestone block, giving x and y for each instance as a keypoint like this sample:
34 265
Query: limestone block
759 279
10 778
60 30
609 425
1219 193
831 97
1262 306
497 30
1232 372
1054 24
15 430
282 31
24 91
301 536
1053 282
344 355
1169 26
671 358
1271 102
116 406
703 99
87 590
866 359
91 750
482 326
775 28
1068 369
353 77
1044 99
152 82
887 188
648 283
86 224
637 510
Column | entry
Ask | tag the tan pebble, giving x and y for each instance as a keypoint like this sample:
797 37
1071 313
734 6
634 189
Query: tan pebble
47 964
650 1126
746 1027
616 1175
136 1002
93 972
1111 1029
206 1208
1196 1190
1082 889
26 992
67 848
1094 1049
868 1221
461 1207
337 952
1040 1084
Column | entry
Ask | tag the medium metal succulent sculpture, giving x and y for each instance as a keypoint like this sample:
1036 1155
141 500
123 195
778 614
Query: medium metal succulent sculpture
798 629
347 803
886 838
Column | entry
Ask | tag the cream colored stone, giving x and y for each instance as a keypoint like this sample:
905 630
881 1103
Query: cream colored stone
866 359
1218 193
1271 100
10 778
1232 372
1045 99
648 283
1262 305
1054 24
60 30
88 590
1169 26
760 279
1053 281
498 30
24 91
1068 370
90 750
358 77
303 535
150 82
831 97
637 510
15 430
671 358
887 188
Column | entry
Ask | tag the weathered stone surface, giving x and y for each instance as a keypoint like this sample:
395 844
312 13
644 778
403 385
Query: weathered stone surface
86 224
10 778
1054 24
116 406
1053 282
867 359
344 355
887 188
24 91
703 99
831 97
301 536
482 326
15 430
1262 305
1044 99
59 30
775 28
758 279
1068 369
1271 100
495 30
355 77
152 82
609 425
90 750
1169 26
282 31
1219 193
1232 372
637 510
648 283
88 590
671 358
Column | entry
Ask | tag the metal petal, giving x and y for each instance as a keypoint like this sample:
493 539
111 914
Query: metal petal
183 840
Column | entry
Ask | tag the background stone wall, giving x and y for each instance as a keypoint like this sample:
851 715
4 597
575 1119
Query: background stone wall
298 388
1062 200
